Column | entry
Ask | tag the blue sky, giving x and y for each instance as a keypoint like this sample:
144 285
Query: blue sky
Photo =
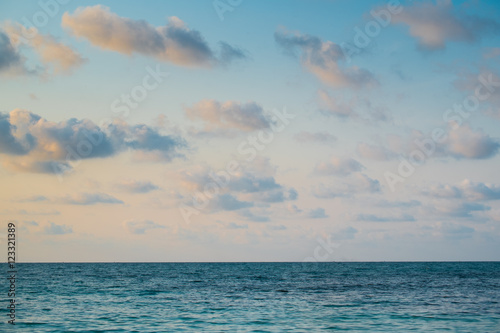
356 162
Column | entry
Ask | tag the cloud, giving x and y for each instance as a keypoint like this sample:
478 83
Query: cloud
491 52
132 186
434 25
338 167
398 204
229 115
318 137
90 199
344 234
174 42
140 227
34 198
374 152
465 190
55 229
466 143
454 231
233 225
332 106
34 144
360 183
456 209
324 60
250 216
227 202
490 103
317 213
53 54
375 218
463 142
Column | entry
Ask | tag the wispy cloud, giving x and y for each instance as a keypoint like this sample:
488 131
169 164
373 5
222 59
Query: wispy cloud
90 199
140 227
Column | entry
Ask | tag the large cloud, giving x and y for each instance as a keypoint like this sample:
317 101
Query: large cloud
174 42
324 60
433 25
34 144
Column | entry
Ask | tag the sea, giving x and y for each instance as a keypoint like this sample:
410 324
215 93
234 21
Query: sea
255 297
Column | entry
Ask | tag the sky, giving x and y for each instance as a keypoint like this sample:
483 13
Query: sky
250 130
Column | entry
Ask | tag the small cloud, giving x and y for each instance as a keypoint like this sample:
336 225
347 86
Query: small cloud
249 215
34 198
276 227
318 213
492 52
54 229
325 60
318 137
233 225
344 234
230 115
132 186
375 218
338 167
434 25
90 199
140 227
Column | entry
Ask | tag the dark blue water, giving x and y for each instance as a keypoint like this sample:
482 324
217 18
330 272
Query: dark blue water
256 297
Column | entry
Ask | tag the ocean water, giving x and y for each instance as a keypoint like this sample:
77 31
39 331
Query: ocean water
256 297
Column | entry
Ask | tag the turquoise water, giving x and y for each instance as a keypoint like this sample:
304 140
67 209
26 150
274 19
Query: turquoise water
256 297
